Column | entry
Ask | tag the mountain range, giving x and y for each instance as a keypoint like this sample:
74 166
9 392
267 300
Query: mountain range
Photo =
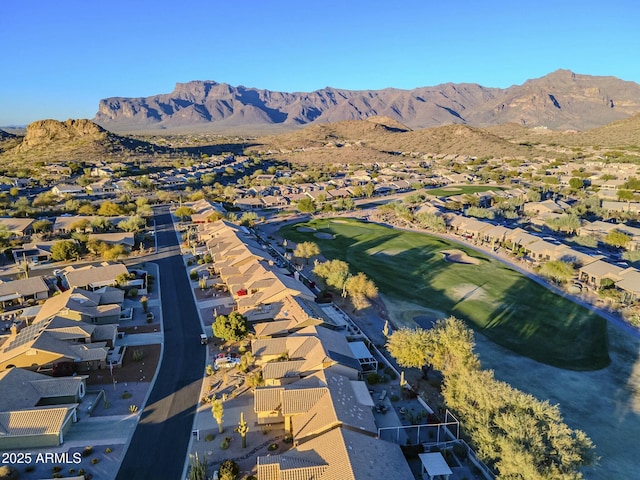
561 100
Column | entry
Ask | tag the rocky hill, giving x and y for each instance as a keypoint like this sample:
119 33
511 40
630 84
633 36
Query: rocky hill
381 138
73 139
561 100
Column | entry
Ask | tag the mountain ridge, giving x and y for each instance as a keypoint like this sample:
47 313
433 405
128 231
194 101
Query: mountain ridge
561 100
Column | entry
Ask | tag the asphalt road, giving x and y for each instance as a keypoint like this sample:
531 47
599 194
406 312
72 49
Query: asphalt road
159 445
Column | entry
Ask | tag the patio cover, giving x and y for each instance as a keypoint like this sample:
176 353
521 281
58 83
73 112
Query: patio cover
434 465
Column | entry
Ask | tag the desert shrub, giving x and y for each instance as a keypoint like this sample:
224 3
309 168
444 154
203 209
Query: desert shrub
228 470
288 438
133 292
193 275
87 451
210 370
373 378
94 460
224 444
137 355
126 395
388 371
272 447
209 437
56 469
108 450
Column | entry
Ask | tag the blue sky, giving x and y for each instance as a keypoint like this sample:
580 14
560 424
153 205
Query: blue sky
60 58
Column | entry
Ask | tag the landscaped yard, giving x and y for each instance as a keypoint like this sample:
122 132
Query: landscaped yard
509 308
460 189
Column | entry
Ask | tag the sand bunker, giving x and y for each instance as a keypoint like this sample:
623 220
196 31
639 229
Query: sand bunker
305 229
458 256
324 236
452 189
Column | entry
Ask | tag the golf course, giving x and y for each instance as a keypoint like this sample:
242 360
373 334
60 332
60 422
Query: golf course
450 279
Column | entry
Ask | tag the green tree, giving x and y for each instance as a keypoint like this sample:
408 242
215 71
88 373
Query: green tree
410 347
215 216
110 209
22 207
616 238
334 272
307 205
361 289
558 271
86 209
101 224
41 225
44 200
65 250
306 250
217 410
248 219
625 195
114 252
134 223
183 212
232 327
576 183
431 221
368 189
81 225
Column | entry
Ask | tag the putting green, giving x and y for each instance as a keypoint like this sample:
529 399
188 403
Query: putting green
495 300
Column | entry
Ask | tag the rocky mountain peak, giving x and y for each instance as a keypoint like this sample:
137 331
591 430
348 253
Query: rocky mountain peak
560 100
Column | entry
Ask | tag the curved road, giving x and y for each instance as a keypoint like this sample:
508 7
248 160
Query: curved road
159 444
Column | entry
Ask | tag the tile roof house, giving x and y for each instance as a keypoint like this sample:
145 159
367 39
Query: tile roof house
18 227
339 454
94 277
36 347
203 209
25 289
287 315
303 353
97 307
122 238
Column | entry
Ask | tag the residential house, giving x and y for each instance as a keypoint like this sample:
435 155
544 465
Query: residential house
92 277
203 209
117 238
63 189
335 455
18 227
93 307
547 206
36 410
249 203
620 207
35 347
104 186
33 253
302 353
18 291
288 315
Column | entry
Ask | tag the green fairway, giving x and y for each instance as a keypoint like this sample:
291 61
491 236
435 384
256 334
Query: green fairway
460 189
509 308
